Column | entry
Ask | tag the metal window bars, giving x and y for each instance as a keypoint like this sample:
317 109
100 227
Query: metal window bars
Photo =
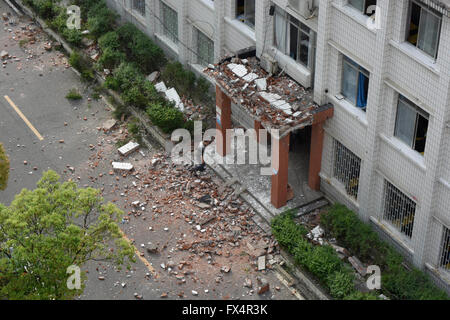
347 168
139 5
399 210
444 261
169 22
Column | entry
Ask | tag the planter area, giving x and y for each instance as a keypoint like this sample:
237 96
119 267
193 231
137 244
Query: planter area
336 247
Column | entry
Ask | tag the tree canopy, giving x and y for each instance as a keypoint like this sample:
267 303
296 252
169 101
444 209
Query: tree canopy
48 229
4 168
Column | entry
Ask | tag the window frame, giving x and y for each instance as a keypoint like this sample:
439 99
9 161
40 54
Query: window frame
408 27
365 7
200 60
245 14
302 29
444 256
141 9
349 163
359 69
394 217
165 11
418 113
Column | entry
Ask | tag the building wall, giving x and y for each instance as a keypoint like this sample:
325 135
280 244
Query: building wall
395 68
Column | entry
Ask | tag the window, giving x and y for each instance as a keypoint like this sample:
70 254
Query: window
245 12
411 124
363 5
355 83
346 168
444 261
169 21
399 210
293 38
139 6
205 49
424 28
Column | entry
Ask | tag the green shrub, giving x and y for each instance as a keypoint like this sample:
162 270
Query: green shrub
141 50
357 295
100 19
73 36
73 94
176 76
340 284
76 60
127 75
167 118
59 22
288 233
323 261
109 40
111 58
352 233
44 8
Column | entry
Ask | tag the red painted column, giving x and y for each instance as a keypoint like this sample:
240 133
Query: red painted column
280 163
315 158
223 122
257 127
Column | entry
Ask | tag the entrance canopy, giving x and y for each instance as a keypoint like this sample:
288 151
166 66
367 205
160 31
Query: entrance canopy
277 102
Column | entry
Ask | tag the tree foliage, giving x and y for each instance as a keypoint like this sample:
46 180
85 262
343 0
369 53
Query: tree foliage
4 168
48 229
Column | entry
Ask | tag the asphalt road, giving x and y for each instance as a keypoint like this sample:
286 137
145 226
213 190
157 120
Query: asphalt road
38 87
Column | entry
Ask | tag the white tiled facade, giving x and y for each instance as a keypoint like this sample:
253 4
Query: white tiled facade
395 67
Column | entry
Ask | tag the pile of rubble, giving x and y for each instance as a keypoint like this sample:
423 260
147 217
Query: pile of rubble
276 101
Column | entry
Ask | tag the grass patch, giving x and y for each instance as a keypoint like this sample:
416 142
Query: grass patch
73 94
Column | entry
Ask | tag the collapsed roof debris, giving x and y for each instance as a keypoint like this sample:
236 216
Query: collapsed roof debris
278 102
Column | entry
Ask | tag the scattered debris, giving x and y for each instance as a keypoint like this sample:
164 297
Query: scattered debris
120 166
129 148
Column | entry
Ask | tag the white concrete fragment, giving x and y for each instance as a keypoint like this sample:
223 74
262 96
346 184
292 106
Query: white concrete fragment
261 263
128 148
122 166
153 76
261 84
238 69
172 96
250 77
161 87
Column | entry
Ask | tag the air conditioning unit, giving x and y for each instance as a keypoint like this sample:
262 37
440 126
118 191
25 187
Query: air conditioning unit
305 8
269 64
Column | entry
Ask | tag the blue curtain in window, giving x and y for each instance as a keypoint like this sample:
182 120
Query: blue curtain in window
362 98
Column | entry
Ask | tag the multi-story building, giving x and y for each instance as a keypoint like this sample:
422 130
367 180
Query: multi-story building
384 65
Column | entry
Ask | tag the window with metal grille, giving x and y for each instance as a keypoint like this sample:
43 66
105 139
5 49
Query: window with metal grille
445 250
205 49
399 210
139 6
169 21
347 167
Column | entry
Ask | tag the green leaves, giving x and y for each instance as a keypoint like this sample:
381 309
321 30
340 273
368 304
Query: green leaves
48 229
4 168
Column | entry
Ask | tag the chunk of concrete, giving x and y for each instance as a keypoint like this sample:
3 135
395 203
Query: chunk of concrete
359 267
109 125
261 263
161 87
121 166
172 96
261 84
129 148
153 76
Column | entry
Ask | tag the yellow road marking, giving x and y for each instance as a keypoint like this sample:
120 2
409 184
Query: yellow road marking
28 123
138 253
